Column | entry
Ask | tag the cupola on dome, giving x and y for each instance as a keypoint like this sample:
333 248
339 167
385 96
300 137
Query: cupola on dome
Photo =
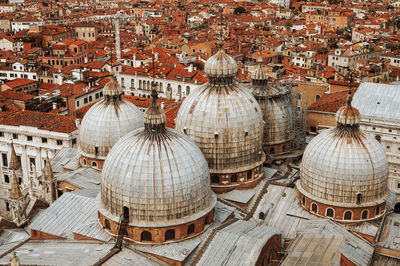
220 65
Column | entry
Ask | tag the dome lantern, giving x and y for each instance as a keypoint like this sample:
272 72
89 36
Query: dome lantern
154 116
347 116
221 68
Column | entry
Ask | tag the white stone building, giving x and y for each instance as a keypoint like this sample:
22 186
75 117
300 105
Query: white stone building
34 136
380 116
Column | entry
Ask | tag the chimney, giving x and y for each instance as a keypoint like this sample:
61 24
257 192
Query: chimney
190 68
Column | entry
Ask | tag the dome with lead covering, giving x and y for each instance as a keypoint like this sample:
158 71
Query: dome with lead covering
159 174
106 122
344 166
226 123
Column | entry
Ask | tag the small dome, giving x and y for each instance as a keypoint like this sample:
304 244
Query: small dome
220 65
112 88
259 73
107 121
159 174
348 115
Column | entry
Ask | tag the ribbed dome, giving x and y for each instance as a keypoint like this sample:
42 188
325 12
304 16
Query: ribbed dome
106 122
220 65
342 162
226 123
160 174
277 110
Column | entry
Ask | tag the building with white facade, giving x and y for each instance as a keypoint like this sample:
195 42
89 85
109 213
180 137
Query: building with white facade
34 136
380 116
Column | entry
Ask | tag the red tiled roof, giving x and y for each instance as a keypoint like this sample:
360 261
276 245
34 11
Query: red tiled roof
44 121
330 102
20 96
19 82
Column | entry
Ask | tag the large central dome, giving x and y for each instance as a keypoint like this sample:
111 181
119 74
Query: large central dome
161 176
105 123
226 123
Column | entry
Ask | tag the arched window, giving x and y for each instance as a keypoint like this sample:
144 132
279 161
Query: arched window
272 151
122 82
190 229
132 83
169 234
329 212
358 198
314 208
206 221
364 214
94 164
140 84
261 216
84 161
377 210
107 224
347 215
215 179
317 97
179 90
145 236
378 138
249 174
303 201
187 90
233 178
283 148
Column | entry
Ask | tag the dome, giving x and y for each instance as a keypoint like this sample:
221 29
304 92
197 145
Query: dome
220 65
344 166
159 174
276 106
226 123
107 121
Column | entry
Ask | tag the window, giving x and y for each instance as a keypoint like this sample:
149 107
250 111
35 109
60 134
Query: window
4 159
8 206
94 164
169 235
206 221
96 150
84 161
29 138
90 98
145 236
15 136
364 214
377 210
303 200
77 103
59 142
107 224
6 179
272 151
358 198
233 178
44 140
85 100
73 141
378 138
347 215
19 180
190 229
261 216
32 162
1 134
314 208
249 174
329 212
215 179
